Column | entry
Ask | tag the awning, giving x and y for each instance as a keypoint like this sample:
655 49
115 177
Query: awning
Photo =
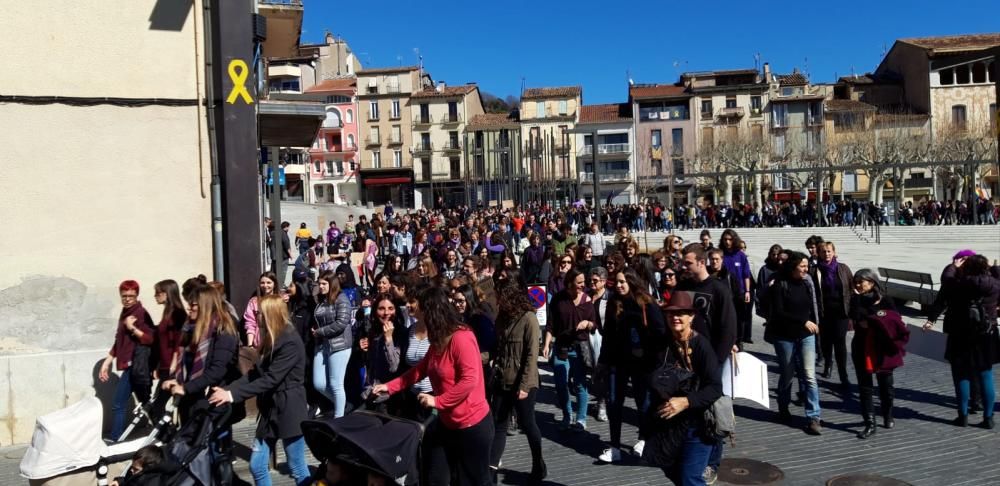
289 123
384 181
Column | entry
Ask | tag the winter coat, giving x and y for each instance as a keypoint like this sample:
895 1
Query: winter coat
278 382
517 353
333 323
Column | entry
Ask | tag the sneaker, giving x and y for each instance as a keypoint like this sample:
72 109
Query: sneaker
610 455
638 447
602 413
709 475
814 427
578 426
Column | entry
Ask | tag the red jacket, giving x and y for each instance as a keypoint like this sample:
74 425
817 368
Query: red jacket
125 341
456 374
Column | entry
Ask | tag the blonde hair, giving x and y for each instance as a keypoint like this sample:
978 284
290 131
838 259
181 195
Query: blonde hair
274 313
210 308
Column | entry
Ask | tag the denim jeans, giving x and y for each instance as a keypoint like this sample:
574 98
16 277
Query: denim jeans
295 452
120 403
618 384
687 470
564 370
802 354
328 376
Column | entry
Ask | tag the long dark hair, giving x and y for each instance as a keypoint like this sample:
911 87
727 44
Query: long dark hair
174 304
734 246
440 316
773 262
334 283
637 291
794 258
471 300
513 302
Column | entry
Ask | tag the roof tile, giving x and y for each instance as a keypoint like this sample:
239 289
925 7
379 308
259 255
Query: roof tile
655 91
611 113
387 70
335 84
446 92
556 92
962 42
838 106
486 121
794 79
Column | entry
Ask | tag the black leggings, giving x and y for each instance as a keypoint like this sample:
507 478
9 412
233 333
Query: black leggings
506 402
833 334
459 453
866 391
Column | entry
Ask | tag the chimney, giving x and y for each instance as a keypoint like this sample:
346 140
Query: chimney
767 72
329 38
440 86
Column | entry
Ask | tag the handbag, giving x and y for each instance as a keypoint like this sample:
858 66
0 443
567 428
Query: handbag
585 352
670 379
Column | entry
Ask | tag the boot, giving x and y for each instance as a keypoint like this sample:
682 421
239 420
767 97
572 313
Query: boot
539 472
867 412
827 371
887 395
961 421
869 429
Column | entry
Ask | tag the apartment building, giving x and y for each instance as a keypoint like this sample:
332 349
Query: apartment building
730 105
612 151
440 114
333 163
496 175
665 141
547 115
796 128
386 133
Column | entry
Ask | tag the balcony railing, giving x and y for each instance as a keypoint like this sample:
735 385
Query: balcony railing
733 112
606 148
451 118
423 120
332 124
423 147
706 115
453 145
560 149
607 176
391 88
394 140
373 140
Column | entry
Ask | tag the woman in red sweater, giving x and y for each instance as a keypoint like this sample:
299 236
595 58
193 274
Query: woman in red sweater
133 338
464 431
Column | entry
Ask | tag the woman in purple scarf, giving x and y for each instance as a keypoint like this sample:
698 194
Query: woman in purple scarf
738 266
835 283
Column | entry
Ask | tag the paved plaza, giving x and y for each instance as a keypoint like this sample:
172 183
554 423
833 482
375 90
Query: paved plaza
923 449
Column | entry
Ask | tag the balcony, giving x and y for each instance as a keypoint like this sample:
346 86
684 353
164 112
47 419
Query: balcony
392 89
284 23
451 118
606 149
423 147
706 115
452 146
608 176
373 140
756 111
732 112
422 120
342 148
560 149
394 140
815 121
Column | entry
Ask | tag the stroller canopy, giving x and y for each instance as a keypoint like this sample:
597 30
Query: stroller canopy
65 440
387 445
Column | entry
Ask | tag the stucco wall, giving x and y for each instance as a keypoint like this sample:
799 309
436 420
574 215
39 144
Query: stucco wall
977 100
120 193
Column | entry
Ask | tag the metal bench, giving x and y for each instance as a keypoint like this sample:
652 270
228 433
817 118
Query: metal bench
907 286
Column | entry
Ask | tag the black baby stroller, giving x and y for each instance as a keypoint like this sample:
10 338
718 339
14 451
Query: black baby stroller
372 441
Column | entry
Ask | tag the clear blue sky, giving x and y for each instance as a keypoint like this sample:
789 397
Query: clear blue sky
592 43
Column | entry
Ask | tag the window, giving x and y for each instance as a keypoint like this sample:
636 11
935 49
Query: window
655 139
730 102
962 75
755 105
453 140
455 164
376 160
958 118
707 137
374 137
397 134
392 84
319 191
373 110
352 165
946 77
540 109
349 116
350 141
562 107
815 113
706 108
677 141
329 167
397 158
779 115
812 141
663 111
791 90
453 111
678 166
338 99
979 72
781 182
850 182
395 110
779 144
340 167
316 167
332 118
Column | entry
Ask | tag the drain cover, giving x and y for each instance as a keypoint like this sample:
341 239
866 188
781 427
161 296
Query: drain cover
748 471
865 480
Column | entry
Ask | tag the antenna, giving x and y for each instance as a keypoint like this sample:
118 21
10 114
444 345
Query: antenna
420 63
756 61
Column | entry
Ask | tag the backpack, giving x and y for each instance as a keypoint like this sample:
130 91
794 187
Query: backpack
979 321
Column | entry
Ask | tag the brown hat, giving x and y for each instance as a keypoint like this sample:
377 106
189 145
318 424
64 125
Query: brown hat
679 302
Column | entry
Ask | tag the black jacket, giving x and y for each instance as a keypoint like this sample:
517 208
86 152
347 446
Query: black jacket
792 305
716 316
278 382
617 331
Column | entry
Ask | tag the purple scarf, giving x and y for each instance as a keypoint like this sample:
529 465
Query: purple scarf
829 271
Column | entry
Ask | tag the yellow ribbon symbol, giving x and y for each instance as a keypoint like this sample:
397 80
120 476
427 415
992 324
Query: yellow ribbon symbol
238 73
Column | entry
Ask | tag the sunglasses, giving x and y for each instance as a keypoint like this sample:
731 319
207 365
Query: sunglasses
567 262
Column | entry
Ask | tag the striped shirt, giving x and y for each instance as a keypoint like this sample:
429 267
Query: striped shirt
414 353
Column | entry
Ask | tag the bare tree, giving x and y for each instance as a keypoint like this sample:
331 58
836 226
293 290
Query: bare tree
969 145
740 152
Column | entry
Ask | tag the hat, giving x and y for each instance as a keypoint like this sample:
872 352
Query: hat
963 254
680 301
300 276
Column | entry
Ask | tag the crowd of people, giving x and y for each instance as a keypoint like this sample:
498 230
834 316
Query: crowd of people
435 324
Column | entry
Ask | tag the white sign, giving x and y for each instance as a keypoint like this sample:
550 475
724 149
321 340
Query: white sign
749 380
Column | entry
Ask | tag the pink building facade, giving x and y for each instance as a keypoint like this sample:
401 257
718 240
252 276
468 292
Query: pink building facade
333 157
